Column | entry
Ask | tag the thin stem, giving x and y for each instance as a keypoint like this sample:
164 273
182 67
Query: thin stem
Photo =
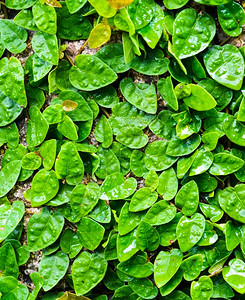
105 112
225 41
216 272
82 47
69 59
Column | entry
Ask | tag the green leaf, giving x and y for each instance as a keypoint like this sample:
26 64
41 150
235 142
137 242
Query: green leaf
13 36
178 147
39 195
74 5
115 187
9 110
234 275
9 135
199 99
123 154
153 64
111 280
167 231
187 198
165 87
202 162
12 80
128 220
44 229
152 32
168 184
231 201
156 157
231 18
192 37
53 268
192 267
152 180
166 265
105 97
45 17
116 61
87 271
137 164
174 4
164 125
190 231
225 65
144 288
8 262
212 2
87 78
90 233
202 289
142 199
137 266
8 176
147 237
134 138
160 213
141 12
73 26
225 164
69 165
46 47
233 235
11 289
221 289
235 131
38 281
25 19
70 243
54 114
37 127
126 115
126 245
141 95
124 292
101 212
68 129
84 198
108 163
48 153
19 4
31 161
103 132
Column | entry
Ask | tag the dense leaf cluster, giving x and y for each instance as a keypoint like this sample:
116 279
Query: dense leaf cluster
141 186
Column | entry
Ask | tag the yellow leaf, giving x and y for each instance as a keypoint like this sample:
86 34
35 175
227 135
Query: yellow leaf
69 105
53 3
119 3
70 296
100 34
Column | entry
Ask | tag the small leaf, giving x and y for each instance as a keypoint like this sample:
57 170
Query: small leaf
99 35
202 289
234 275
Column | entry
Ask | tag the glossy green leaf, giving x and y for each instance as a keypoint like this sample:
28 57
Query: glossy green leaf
190 230
9 135
39 195
147 237
38 280
144 288
83 77
202 162
225 164
87 271
163 125
31 161
231 201
11 289
45 17
84 198
8 262
168 184
67 128
192 267
126 246
178 147
44 229
53 269
103 132
103 8
193 36
221 289
202 289
90 233
12 80
156 157
188 198
9 110
8 176
165 87
235 131
48 153
233 235
105 97
142 199
101 212
70 243
25 19
234 275
134 138
123 155
174 4
232 62
166 265
231 18
109 163
37 127
69 165
115 187
160 213
46 47
141 95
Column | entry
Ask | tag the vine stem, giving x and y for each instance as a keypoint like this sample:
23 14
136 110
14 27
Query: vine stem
69 59
216 272
82 47
105 112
